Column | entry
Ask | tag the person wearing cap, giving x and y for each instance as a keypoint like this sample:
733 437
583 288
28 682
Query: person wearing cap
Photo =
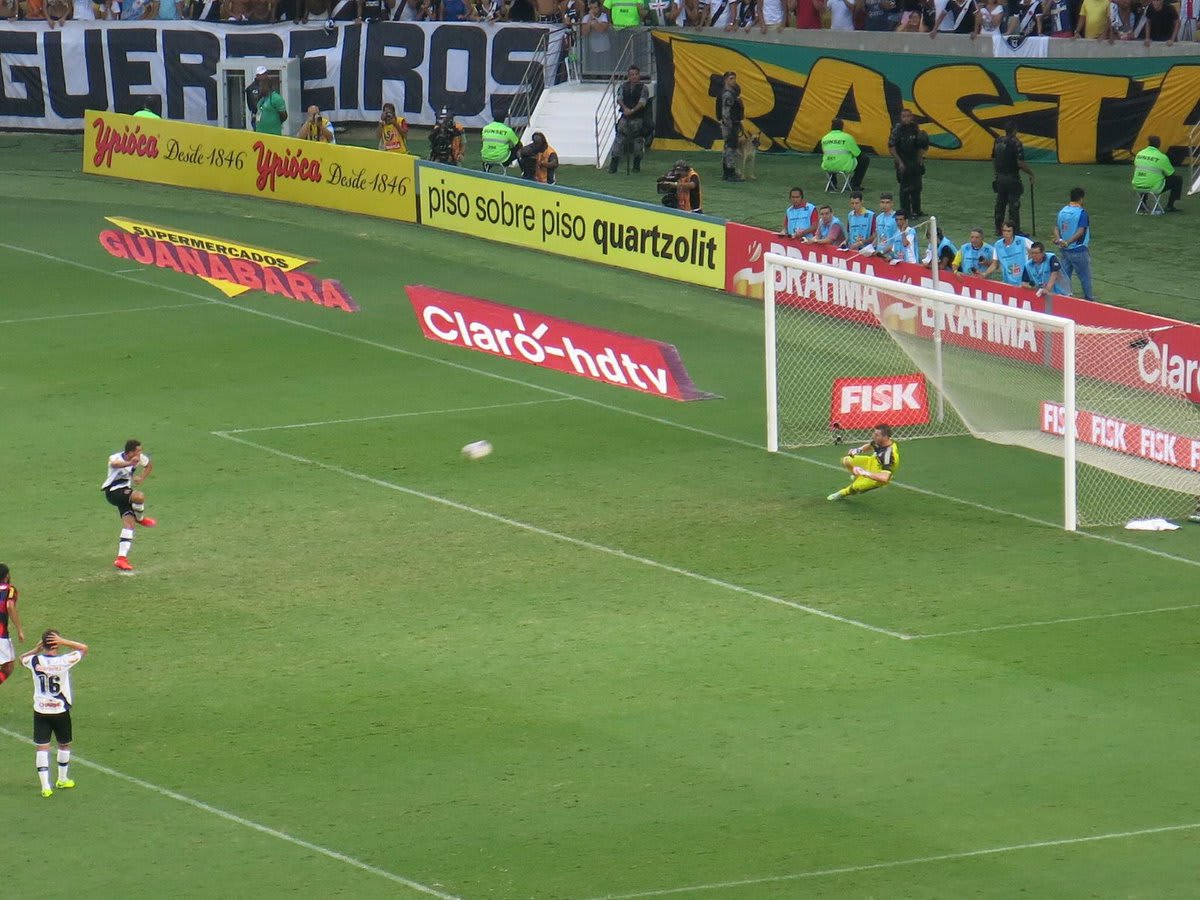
272 111
683 183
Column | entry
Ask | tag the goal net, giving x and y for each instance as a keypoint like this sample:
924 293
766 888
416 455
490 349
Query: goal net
847 350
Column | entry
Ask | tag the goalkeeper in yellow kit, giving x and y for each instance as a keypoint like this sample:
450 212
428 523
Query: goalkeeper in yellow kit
873 465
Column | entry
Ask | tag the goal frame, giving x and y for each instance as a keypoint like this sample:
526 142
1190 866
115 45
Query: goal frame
773 262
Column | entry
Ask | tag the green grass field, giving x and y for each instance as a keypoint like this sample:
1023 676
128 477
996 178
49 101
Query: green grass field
629 654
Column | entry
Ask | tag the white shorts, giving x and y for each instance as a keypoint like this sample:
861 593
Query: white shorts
6 651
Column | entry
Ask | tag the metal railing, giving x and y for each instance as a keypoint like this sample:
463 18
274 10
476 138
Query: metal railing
541 70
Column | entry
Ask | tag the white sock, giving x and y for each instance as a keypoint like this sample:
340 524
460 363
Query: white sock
43 767
126 542
138 510
64 760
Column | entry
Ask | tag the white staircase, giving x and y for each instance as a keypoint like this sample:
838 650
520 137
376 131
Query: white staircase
566 114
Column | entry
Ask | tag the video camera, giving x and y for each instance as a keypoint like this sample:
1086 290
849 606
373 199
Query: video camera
668 184
441 138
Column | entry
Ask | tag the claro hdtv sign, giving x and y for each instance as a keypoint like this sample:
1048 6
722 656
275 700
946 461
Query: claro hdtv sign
610 357
656 241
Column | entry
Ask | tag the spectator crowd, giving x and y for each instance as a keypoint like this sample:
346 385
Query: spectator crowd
1108 20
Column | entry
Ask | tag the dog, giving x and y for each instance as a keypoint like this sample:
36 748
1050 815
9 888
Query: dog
747 153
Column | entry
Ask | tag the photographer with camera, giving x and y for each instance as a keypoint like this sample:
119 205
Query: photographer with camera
315 127
393 130
447 143
539 161
680 188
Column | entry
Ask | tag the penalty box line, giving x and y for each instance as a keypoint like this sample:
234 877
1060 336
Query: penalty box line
399 415
895 864
247 823
715 435
563 538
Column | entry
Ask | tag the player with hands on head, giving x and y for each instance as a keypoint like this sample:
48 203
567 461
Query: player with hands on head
51 670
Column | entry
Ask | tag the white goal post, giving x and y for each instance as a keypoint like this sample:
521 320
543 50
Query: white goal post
845 349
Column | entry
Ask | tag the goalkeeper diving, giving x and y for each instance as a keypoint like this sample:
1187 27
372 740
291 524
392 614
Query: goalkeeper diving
873 465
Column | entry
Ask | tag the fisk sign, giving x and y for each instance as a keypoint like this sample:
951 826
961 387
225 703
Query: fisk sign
864 402
1129 438
639 364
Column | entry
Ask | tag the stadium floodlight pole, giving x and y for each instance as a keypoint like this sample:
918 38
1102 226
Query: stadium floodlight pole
771 359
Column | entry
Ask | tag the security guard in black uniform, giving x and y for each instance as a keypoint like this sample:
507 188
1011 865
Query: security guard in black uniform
1008 162
908 145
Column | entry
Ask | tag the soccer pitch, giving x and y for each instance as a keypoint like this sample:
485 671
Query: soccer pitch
628 654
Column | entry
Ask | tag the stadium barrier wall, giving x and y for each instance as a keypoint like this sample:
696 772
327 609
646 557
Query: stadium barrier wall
350 179
579 225
1167 357
1067 110
49 78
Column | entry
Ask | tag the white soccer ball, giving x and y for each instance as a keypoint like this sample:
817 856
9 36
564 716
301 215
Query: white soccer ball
477 449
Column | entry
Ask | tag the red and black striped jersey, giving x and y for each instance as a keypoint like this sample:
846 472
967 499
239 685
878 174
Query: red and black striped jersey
8 593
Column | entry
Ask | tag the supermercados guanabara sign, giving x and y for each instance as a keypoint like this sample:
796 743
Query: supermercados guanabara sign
1069 110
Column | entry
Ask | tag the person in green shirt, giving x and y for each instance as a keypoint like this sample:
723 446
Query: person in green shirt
625 13
499 144
272 111
840 155
1152 171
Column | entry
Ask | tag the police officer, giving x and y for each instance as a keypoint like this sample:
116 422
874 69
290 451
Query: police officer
908 145
633 99
732 112
1008 162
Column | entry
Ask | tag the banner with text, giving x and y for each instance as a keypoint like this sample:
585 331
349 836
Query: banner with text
1072 111
640 237
610 357
1164 357
351 179
49 78
1128 438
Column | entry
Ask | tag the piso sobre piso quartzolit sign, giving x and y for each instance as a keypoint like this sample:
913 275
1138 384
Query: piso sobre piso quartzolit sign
351 179
640 237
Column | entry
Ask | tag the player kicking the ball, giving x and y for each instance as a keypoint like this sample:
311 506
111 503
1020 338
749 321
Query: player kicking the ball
873 465
130 504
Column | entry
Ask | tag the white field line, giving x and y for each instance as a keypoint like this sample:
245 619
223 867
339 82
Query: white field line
729 439
920 860
564 538
1092 618
401 415
247 823
103 312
